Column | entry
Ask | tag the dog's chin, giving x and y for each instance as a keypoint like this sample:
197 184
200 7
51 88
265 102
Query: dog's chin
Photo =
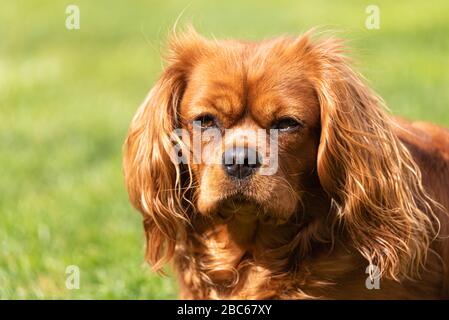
239 206
244 208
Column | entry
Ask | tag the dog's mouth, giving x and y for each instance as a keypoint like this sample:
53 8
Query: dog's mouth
239 206
239 201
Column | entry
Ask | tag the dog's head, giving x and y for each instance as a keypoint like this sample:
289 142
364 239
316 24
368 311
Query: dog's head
246 129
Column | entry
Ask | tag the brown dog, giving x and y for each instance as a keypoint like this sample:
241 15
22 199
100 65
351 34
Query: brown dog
356 208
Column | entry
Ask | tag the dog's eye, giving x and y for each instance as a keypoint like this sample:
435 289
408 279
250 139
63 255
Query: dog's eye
286 124
205 121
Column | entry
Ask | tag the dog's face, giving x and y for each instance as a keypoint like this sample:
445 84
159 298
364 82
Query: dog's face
332 138
242 93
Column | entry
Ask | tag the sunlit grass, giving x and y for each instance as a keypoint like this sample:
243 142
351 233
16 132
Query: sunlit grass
67 97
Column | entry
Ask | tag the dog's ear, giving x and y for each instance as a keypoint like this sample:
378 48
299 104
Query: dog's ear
370 175
153 177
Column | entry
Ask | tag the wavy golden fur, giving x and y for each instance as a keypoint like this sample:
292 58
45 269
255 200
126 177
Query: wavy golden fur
355 187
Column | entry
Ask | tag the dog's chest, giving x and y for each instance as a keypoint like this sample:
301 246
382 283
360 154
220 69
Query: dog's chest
227 262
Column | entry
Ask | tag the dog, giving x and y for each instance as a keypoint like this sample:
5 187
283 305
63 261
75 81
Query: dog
356 207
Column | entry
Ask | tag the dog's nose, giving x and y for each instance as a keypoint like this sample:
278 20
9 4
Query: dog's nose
241 162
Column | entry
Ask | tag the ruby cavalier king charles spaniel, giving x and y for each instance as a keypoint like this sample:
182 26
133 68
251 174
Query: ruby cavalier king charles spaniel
337 200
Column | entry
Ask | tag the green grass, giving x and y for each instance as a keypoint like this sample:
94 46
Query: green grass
67 97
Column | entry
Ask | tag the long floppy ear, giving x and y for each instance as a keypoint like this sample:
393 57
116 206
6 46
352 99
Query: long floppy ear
370 175
155 182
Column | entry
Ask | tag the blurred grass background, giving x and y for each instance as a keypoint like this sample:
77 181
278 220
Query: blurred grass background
67 97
